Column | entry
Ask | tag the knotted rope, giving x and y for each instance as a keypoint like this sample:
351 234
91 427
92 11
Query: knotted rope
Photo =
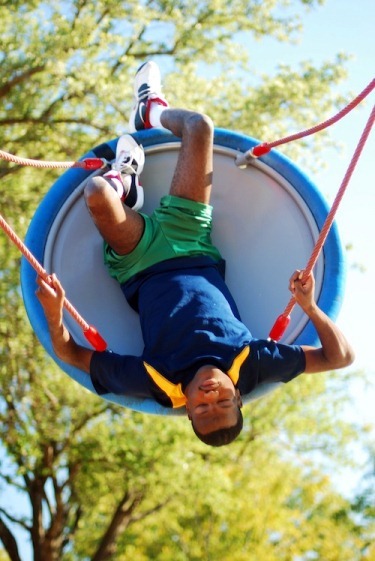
88 163
265 147
282 321
90 333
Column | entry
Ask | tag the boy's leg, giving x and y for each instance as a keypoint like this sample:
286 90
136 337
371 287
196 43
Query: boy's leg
193 175
119 225
192 178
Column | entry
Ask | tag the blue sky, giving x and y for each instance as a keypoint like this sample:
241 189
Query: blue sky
344 26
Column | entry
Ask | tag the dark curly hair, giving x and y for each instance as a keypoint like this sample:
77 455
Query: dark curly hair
224 436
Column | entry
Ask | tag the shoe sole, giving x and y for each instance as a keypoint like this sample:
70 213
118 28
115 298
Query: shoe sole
147 73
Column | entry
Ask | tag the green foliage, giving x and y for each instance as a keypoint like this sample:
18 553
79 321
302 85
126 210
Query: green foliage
108 483
65 76
80 460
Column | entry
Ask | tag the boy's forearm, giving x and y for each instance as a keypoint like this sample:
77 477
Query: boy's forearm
51 295
61 339
334 345
66 348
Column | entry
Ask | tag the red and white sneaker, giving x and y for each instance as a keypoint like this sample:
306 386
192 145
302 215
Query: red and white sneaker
125 171
147 90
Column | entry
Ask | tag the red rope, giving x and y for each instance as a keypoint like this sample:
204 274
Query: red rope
91 164
89 331
265 147
283 320
96 163
87 163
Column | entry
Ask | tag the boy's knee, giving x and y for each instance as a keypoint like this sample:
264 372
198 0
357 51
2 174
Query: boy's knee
95 189
199 124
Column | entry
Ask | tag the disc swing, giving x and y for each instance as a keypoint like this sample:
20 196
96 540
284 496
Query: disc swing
281 220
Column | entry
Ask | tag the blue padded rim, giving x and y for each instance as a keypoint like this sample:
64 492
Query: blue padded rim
37 235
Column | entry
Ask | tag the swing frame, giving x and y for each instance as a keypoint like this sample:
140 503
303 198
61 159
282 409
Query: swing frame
273 179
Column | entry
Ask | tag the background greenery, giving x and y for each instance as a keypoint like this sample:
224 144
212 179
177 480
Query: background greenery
84 480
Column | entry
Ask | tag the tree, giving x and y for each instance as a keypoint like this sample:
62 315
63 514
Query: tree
103 482
364 503
64 447
66 82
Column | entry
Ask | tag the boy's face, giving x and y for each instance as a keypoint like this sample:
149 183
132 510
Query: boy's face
212 400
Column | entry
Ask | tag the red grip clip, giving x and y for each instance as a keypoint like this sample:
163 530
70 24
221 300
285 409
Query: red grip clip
93 163
95 339
260 150
279 328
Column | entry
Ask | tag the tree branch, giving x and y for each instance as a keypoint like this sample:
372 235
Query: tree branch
133 41
119 522
14 447
54 535
23 120
9 541
146 513
15 520
10 481
79 426
36 493
19 78
73 527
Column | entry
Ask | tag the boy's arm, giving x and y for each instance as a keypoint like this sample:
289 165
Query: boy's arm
335 351
51 296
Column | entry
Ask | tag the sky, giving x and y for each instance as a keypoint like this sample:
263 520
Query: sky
345 26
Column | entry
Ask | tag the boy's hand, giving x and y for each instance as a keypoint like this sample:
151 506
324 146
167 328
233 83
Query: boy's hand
51 296
303 292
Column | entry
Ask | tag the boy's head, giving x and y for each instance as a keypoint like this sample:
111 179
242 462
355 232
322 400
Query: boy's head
214 406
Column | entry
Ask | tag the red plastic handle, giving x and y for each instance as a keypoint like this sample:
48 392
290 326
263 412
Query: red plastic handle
95 339
279 327
260 150
91 164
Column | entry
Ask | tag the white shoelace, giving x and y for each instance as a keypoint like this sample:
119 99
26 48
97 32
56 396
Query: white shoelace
124 166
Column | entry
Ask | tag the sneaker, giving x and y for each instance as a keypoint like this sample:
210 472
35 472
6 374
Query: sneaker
130 157
147 90
125 169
